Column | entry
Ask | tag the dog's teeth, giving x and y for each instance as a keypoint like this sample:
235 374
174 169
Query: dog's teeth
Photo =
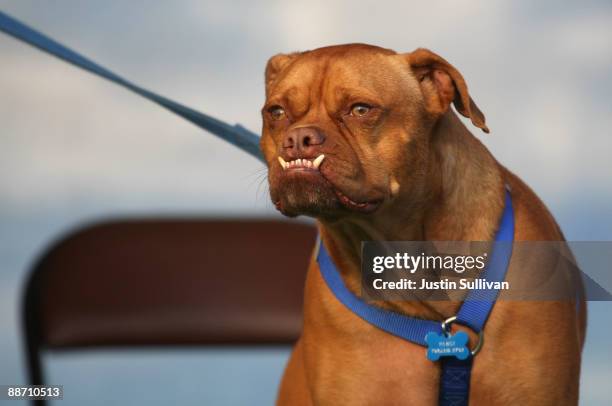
302 162
317 162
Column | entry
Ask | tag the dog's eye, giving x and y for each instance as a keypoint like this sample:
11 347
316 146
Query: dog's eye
360 109
277 112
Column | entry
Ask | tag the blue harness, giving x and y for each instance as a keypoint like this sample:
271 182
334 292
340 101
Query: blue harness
455 378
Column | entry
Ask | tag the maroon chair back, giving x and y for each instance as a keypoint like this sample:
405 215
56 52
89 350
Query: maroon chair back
168 283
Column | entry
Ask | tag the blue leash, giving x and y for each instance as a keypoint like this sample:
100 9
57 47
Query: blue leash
236 134
455 377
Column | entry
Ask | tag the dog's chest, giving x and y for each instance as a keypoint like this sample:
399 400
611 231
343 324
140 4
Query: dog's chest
379 370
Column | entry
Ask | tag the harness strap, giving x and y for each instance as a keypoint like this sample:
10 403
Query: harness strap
478 304
400 325
236 134
454 389
474 312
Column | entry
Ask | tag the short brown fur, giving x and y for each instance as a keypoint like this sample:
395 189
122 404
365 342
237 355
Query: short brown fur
428 178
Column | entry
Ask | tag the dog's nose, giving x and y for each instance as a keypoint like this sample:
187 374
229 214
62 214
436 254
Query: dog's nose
303 142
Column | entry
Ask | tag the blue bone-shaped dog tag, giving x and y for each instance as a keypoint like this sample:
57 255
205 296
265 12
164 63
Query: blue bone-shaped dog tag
447 345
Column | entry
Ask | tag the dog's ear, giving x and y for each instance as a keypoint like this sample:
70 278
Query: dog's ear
275 66
442 84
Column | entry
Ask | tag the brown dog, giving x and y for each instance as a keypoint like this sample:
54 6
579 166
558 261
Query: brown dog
363 139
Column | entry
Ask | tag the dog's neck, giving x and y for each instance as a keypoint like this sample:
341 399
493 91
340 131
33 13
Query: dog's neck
460 199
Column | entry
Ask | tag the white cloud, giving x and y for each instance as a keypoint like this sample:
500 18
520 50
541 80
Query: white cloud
586 39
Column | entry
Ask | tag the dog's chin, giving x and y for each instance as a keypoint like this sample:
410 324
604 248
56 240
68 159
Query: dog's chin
299 196
310 194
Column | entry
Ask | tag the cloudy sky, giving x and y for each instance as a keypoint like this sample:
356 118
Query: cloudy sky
74 148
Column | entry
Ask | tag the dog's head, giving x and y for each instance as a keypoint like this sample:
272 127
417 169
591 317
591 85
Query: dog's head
345 128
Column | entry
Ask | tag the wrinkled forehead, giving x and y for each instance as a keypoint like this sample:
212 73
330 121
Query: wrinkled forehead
337 75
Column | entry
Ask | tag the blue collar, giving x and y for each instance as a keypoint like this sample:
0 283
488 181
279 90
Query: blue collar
473 313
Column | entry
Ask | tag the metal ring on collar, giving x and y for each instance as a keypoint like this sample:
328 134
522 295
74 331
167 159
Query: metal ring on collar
446 324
